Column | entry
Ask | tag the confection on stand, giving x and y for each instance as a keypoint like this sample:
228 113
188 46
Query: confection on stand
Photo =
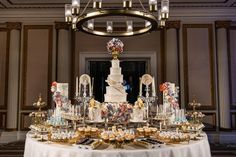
89 123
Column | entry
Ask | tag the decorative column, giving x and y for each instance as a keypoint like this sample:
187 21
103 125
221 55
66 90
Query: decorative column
63 54
172 52
13 75
223 73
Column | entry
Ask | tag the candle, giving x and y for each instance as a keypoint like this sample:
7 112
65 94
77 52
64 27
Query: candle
76 90
76 110
153 87
90 88
182 115
140 86
72 110
84 94
157 109
79 111
92 84
160 126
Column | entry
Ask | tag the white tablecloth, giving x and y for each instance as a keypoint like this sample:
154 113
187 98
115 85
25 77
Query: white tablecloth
34 148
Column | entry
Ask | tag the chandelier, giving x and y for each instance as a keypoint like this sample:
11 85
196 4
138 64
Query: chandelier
117 21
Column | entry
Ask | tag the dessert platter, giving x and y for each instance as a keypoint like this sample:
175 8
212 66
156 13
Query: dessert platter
89 124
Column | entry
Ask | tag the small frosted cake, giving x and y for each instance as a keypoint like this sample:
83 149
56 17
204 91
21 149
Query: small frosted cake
173 137
95 111
138 111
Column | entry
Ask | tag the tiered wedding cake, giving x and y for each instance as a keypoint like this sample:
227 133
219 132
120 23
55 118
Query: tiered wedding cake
115 92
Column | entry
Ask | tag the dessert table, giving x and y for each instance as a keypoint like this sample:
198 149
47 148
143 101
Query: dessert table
34 148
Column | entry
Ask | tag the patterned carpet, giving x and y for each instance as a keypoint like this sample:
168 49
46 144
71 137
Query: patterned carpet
16 149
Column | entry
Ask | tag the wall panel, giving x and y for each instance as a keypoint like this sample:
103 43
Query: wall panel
210 121
25 121
233 120
3 118
198 64
37 58
232 60
4 58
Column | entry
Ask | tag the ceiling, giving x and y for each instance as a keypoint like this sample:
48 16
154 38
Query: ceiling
21 4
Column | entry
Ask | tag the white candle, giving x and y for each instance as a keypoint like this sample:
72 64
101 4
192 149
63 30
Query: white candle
76 90
90 88
182 114
160 126
140 86
79 88
76 110
73 110
153 87
79 110
157 109
84 94
70 109
92 84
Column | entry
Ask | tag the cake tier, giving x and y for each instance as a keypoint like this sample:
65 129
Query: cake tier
116 78
112 90
115 63
115 71
115 97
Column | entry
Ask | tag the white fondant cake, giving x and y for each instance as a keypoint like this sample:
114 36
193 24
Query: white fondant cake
116 77
115 92
115 71
138 114
110 89
95 114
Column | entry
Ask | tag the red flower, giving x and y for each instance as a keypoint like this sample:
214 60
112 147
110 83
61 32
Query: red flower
54 83
162 87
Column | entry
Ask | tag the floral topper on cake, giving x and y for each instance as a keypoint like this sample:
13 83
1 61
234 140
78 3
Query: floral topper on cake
115 47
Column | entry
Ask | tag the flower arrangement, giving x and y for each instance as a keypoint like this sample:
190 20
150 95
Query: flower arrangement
54 86
94 104
139 104
117 112
57 96
170 94
195 117
115 47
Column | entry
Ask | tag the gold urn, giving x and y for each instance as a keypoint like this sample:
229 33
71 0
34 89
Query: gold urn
115 54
